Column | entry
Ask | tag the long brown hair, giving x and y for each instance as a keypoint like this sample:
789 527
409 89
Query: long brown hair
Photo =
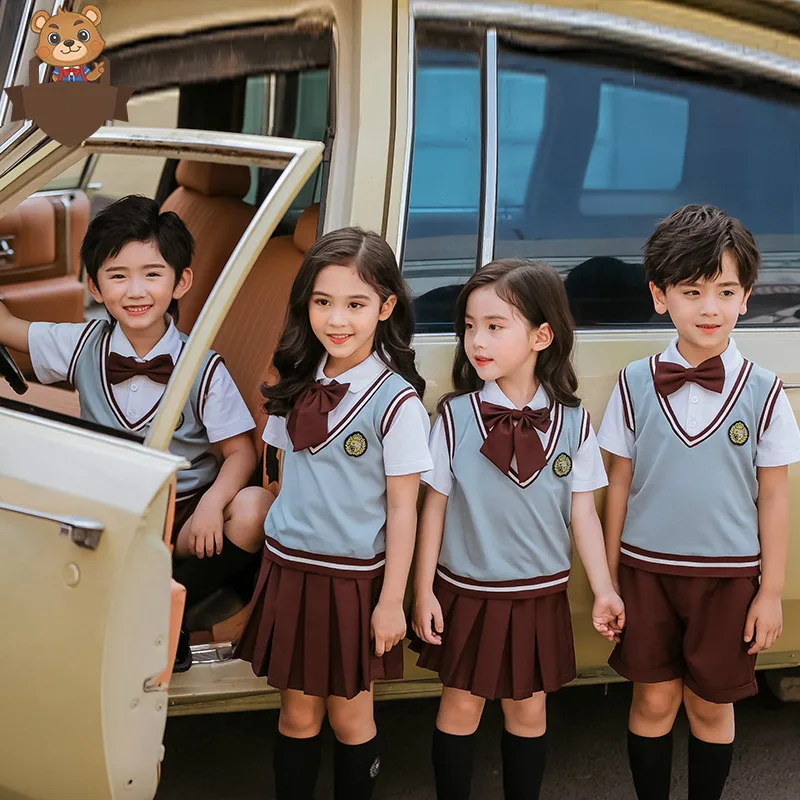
536 291
299 351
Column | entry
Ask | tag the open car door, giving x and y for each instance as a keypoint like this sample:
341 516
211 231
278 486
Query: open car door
84 571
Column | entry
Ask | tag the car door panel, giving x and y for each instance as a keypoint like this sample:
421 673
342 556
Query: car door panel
98 733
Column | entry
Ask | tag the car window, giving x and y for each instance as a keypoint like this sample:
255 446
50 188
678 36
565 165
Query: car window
594 148
444 200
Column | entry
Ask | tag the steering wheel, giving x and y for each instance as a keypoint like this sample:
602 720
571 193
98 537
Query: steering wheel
10 371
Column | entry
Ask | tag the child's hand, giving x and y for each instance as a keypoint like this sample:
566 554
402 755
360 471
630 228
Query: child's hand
428 621
205 536
608 615
764 622
388 626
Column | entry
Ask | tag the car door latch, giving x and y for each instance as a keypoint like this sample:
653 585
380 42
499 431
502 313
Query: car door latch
81 531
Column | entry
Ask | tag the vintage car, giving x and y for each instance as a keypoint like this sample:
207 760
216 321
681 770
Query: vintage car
461 131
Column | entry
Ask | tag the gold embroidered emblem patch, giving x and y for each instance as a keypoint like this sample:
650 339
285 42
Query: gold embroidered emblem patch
355 444
738 433
562 466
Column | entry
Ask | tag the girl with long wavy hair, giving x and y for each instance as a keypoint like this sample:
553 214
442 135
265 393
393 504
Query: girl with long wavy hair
346 412
515 464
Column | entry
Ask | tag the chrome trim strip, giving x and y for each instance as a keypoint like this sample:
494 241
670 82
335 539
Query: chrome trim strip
616 28
405 194
489 150
82 531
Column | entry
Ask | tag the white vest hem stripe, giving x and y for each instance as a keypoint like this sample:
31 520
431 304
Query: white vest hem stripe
508 590
326 564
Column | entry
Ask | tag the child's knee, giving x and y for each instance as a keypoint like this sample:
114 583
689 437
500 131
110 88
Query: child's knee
301 717
527 718
657 701
708 719
352 721
245 518
459 712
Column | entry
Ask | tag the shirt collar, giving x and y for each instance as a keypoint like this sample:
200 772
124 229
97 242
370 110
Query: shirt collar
359 377
731 358
170 344
492 393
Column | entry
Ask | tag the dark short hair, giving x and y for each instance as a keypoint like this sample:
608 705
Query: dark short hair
688 246
136 218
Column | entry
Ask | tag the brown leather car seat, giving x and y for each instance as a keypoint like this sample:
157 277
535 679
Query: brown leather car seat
209 201
249 335
42 281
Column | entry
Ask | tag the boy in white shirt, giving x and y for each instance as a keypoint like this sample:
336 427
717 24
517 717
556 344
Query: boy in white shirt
137 262
697 506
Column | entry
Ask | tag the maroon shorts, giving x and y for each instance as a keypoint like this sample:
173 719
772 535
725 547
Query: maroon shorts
496 648
311 632
690 628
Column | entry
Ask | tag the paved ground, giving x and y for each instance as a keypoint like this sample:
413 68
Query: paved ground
228 757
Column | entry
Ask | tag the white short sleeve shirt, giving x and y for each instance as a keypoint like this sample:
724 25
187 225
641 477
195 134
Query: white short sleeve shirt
52 345
695 407
587 466
405 445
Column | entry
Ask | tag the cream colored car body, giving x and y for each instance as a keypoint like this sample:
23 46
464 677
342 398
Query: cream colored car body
64 648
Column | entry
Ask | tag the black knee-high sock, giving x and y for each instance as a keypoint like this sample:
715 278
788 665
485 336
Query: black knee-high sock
651 765
203 576
709 765
523 765
296 765
355 770
452 764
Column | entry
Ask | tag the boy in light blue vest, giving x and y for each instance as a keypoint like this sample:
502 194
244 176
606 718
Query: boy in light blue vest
138 265
697 505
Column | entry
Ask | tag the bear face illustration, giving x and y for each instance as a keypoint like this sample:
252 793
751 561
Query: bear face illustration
70 42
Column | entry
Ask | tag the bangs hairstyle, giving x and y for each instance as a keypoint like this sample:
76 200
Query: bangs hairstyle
299 351
136 218
688 246
536 291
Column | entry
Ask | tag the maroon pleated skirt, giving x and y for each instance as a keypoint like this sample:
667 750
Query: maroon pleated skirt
311 632
497 648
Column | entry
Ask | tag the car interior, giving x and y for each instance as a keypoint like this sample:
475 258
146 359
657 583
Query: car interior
41 276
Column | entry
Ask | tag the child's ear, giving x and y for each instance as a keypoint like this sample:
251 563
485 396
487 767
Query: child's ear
659 298
542 337
183 285
743 308
94 291
387 307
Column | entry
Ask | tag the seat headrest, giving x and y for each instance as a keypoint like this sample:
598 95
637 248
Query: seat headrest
305 232
214 180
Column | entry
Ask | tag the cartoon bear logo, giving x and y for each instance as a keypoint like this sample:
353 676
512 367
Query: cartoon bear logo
79 98
70 43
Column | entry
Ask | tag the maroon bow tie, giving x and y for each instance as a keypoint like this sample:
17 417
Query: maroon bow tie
307 424
122 368
670 377
505 439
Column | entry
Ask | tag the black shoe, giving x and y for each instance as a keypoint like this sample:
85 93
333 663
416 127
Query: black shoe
183 656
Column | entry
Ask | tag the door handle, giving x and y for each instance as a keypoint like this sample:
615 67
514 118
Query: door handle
791 385
81 531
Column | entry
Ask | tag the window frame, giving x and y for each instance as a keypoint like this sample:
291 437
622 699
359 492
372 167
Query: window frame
520 24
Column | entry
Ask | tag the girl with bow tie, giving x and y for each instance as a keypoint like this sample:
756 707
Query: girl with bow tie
515 464
346 412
